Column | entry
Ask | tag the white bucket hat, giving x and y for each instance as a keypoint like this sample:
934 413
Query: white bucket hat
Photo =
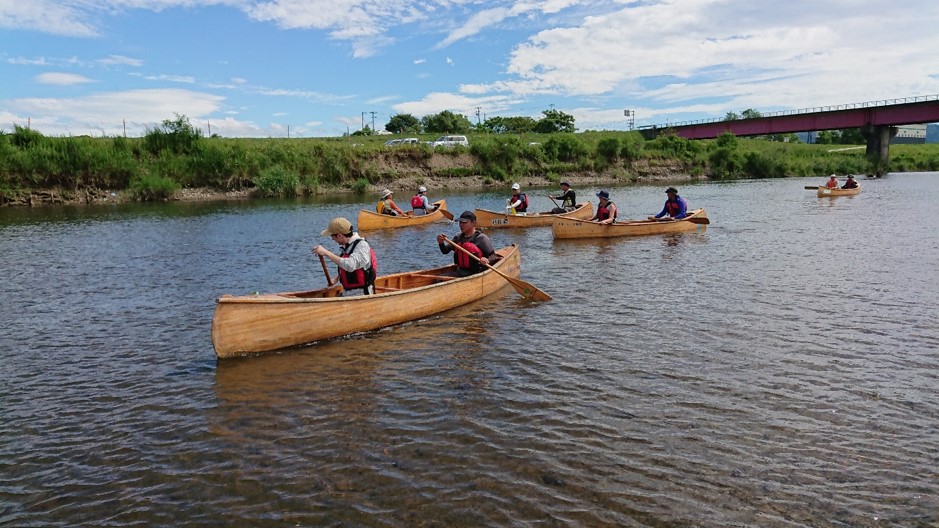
516 186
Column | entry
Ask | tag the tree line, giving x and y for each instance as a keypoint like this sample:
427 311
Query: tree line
447 122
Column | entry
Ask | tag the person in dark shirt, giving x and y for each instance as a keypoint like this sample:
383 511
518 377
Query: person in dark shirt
472 240
851 183
568 199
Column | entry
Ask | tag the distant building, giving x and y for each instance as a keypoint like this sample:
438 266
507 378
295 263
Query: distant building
910 135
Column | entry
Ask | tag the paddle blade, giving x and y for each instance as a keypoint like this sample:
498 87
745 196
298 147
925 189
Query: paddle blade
447 214
527 290
699 220
811 187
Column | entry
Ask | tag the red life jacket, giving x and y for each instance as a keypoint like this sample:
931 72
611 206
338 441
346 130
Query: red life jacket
360 278
417 202
522 207
466 262
604 212
673 208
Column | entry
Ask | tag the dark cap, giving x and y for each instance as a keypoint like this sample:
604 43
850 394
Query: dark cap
603 194
468 215
671 190
565 184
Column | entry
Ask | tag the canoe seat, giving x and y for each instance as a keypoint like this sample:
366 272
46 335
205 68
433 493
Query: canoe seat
385 289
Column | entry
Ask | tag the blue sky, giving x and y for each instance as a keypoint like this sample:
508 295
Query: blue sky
266 68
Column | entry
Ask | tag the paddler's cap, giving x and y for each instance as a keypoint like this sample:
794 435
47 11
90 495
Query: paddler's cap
422 189
337 226
516 186
671 190
468 215
565 184
385 194
603 194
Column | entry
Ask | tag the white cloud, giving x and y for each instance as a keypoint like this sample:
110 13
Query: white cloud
49 16
171 78
120 60
83 115
63 79
436 102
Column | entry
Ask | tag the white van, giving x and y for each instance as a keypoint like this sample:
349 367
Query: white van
451 141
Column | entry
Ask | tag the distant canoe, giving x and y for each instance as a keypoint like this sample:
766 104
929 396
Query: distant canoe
370 220
826 192
252 324
565 227
492 219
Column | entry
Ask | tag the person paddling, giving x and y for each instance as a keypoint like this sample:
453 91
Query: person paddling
606 211
675 206
472 240
387 205
568 199
421 204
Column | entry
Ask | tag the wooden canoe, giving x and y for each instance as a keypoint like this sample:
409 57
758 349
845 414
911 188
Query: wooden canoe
564 227
370 220
492 219
253 324
824 192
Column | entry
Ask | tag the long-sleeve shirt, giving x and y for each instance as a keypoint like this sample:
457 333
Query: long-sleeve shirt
360 258
678 208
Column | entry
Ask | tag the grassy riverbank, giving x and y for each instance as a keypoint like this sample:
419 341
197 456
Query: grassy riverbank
176 162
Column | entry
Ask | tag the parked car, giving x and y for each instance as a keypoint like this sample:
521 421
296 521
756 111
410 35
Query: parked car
402 141
451 141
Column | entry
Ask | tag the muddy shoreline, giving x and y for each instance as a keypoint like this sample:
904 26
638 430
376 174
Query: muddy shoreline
403 184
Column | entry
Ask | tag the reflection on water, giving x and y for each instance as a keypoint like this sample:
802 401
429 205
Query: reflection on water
776 369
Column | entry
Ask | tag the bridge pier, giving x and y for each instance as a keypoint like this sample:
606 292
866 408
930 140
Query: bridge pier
878 144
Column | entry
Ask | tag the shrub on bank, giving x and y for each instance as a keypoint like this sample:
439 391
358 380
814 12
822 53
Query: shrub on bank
153 187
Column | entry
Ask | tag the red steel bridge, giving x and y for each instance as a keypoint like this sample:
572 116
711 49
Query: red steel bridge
876 119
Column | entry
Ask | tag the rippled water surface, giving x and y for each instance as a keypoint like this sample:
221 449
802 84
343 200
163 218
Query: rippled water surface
780 368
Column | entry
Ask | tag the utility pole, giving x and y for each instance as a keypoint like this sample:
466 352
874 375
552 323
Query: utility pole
478 109
209 125
630 118
125 127
363 121
373 121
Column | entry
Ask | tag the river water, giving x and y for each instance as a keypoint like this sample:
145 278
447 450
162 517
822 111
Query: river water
780 368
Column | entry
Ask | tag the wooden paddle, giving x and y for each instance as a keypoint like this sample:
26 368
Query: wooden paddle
523 288
812 187
699 220
329 280
552 199
447 214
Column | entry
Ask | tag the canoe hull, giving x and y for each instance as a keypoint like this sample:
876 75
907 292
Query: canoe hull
254 324
825 192
564 227
371 221
494 219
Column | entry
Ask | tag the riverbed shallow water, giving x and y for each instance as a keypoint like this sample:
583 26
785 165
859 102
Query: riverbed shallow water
779 368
